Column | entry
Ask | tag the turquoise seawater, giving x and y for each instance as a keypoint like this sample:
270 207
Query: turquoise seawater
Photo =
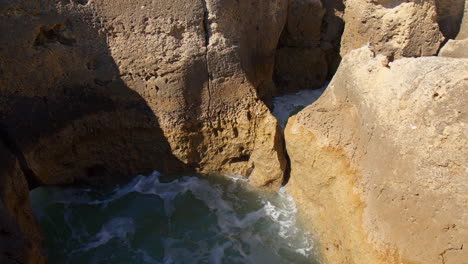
162 219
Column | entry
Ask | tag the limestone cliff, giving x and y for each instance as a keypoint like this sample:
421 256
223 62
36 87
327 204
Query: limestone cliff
378 163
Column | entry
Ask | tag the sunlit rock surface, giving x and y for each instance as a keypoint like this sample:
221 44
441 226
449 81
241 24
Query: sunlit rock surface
395 28
378 162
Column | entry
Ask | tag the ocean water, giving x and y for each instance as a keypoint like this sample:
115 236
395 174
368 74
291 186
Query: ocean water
290 104
163 219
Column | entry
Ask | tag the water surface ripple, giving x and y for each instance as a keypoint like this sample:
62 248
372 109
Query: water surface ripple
159 219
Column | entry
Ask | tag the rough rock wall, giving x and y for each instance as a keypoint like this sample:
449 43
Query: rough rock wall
200 75
95 79
331 32
394 28
300 62
64 102
378 162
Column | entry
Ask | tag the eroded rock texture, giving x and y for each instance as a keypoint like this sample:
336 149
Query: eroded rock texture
122 86
394 28
378 163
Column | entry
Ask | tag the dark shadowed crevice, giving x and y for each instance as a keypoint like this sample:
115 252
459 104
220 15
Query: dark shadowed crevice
287 170
60 33
11 144
449 17
207 31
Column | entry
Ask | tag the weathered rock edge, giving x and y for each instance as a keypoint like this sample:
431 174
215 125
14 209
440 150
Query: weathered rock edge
378 163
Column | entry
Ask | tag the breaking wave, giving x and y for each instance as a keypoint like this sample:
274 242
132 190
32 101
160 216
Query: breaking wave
189 219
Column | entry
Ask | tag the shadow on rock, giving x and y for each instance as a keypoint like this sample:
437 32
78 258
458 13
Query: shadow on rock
67 117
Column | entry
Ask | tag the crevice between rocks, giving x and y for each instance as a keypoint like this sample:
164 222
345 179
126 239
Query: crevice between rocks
12 145
287 170
449 249
207 31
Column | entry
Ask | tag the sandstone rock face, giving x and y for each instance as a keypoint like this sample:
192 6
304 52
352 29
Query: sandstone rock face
332 29
392 27
378 163
97 91
111 87
206 66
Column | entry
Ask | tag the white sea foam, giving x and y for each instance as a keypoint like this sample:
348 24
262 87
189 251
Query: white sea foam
283 106
256 226
119 227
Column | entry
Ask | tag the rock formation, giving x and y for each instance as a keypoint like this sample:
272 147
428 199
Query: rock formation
378 162
97 91
180 78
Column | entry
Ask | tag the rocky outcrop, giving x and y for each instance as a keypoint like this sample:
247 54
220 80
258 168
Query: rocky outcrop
112 88
394 28
378 162
97 91
455 49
